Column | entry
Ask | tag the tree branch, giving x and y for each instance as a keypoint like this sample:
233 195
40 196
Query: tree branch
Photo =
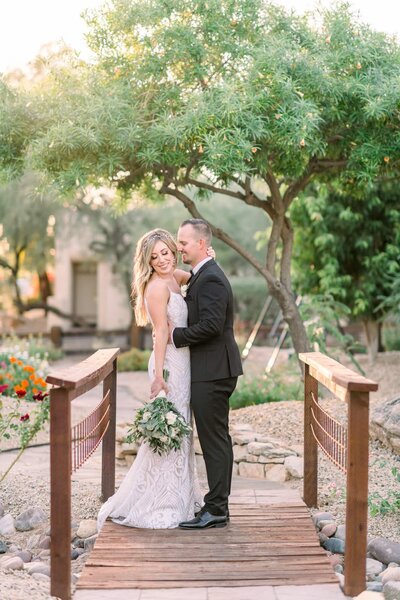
220 234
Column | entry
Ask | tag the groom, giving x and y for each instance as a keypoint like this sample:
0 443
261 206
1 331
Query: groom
215 366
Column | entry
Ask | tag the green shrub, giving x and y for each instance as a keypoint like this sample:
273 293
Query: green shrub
391 338
274 387
133 360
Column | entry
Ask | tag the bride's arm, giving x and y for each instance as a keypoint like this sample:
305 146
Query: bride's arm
157 298
181 276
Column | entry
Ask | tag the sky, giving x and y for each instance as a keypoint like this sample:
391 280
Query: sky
26 25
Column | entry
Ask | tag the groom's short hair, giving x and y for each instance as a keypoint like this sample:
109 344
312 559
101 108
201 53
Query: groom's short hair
201 227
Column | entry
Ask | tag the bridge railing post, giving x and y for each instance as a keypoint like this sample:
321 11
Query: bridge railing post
310 482
108 445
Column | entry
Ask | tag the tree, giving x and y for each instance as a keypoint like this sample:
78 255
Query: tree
348 246
26 217
231 97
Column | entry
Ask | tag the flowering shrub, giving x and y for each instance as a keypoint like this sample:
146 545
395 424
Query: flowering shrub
22 382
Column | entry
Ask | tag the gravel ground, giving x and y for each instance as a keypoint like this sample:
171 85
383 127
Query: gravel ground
282 420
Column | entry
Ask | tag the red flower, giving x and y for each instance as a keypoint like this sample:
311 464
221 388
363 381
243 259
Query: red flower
3 388
24 417
20 393
40 396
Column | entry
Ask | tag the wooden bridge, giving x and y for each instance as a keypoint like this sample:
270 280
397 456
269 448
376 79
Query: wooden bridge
269 549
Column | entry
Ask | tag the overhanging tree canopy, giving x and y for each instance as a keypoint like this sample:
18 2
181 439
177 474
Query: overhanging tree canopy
237 97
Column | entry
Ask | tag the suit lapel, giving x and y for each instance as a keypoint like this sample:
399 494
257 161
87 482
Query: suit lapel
195 277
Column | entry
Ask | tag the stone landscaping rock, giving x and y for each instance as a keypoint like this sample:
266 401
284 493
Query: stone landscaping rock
25 555
322 538
14 548
243 437
391 574
89 543
41 577
129 459
276 473
341 532
323 516
367 595
7 527
1 510
34 541
374 586
251 470
30 518
87 528
391 591
44 542
15 563
329 530
334 545
268 449
3 547
239 452
324 522
385 423
384 550
373 568
38 567
295 466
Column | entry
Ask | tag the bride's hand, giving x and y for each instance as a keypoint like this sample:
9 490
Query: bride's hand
157 385
211 252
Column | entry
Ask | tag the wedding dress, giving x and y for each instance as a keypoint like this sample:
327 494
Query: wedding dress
159 492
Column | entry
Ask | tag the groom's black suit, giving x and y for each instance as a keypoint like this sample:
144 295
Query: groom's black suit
215 367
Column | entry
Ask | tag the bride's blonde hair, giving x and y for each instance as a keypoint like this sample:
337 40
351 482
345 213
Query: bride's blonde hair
142 270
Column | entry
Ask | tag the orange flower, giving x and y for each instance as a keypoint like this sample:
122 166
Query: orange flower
24 383
32 377
29 369
18 388
35 391
20 363
41 382
13 359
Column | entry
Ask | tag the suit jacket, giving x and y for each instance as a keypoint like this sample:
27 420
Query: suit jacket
213 351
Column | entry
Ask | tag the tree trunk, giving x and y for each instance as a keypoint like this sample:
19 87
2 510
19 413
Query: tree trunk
371 329
44 286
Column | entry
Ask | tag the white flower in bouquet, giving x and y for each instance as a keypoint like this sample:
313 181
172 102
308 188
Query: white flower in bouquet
160 424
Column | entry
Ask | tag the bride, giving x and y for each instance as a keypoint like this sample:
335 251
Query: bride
159 492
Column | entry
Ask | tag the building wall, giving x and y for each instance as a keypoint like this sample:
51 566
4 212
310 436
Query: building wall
73 237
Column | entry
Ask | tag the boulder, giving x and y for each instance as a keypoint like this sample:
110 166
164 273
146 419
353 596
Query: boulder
276 473
384 550
385 423
87 528
15 563
243 437
391 590
30 518
391 574
268 449
373 568
38 567
239 452
252 470
295 466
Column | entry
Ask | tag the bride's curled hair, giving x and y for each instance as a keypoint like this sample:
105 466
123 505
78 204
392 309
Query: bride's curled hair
142 269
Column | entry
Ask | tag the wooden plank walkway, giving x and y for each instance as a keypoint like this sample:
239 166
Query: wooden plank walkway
270 541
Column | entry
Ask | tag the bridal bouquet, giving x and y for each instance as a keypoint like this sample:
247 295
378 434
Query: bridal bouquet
160 424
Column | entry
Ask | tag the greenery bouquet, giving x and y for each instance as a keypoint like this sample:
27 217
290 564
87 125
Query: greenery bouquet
160 424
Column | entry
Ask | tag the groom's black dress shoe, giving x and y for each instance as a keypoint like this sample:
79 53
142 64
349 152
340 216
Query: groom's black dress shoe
204 520
203 510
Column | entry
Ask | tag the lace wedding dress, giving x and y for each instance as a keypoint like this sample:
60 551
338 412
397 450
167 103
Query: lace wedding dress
159 492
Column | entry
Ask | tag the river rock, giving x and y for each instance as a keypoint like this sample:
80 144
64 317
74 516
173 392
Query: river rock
30 518
384 550
374 586
391 574
295 466
3 547
38 567
7 525
322 516
25 555
340 532
15 563
391 590
329 530
373 568
89 543
385 423
334 545
368 595
87 528
1 510
40 577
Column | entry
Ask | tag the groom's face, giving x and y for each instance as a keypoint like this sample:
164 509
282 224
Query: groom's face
190 246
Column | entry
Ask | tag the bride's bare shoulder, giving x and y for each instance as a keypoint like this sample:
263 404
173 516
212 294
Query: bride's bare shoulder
156 291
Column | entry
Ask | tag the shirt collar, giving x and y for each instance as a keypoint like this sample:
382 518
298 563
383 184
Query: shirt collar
200 264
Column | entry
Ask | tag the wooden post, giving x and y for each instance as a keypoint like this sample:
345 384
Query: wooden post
60 495
108 444
310 484
357 494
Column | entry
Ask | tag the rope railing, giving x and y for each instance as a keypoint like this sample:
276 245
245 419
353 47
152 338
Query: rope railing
71 446
345 446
